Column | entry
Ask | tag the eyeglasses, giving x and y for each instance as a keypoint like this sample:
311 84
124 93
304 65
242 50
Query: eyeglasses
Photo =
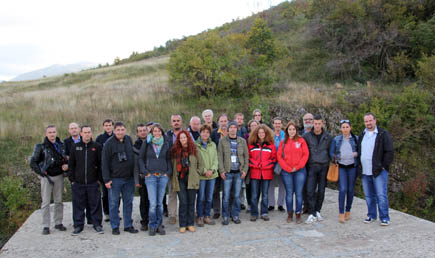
344 121
257 115
308 119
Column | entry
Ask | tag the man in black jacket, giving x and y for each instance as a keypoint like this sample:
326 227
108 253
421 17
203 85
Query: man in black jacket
377 152
49 162
318 141
144 206
118 176
84 173
101 139
74 132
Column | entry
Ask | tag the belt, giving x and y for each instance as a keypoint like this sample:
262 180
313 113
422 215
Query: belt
157 174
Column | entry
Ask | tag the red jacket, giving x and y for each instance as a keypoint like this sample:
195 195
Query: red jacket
296 154
262 158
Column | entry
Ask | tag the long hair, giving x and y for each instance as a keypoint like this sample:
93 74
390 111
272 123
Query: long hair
253 136
177 148
287 136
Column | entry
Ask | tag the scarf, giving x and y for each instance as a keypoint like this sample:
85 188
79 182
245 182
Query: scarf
182 154
157 144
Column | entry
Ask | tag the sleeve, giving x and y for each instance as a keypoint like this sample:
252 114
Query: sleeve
99 169
136 168
221 157
142 159
71 165
200 168
388 150
305 155
215 160
279 155
105 160
246 157
274 154
168 160
35 159
332 149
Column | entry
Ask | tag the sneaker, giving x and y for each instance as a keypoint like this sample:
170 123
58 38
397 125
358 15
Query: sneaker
208 221
265 217
311 219
76 231
99 229
60 227
318 216
160 230
46 231
172 220
106 218
115 231
152 232
237 220
131 230
385 222
281 208
200 222
369 220
271 208
253 218
144 227
225 221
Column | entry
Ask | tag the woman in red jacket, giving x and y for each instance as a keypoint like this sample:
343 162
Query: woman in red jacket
262 157
292 156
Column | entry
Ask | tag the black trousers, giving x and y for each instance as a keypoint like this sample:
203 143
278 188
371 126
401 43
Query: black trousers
105 200
316 181
217 195
144 205
86 197
186 205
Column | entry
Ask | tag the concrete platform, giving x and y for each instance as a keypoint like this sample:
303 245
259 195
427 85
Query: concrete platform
407 236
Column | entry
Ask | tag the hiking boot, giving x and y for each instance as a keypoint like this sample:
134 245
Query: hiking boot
290 217
225 221
237 220
115 231
298 218
172 220
131 230
265 217
311 219
60 227
208 221
46 231
160 230
200 222
347 215
253 218
341 217
152 232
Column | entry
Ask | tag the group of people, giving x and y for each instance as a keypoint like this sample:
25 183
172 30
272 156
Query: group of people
193 166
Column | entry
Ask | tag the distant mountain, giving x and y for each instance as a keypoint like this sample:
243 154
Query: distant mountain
53 70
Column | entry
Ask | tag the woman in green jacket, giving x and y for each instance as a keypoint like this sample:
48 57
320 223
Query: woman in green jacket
186 165
207 150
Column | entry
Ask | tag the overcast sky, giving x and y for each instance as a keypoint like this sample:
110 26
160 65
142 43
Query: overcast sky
38 33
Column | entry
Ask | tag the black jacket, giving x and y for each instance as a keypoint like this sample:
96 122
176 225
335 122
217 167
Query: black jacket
319 150
136 150
383 153
195 135
215 136
68 142
102 138
150 163
84 163
117 159
45 157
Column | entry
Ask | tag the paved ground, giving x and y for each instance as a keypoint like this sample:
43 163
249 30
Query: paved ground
407 236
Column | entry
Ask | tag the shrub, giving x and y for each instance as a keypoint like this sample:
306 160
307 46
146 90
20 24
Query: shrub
426 71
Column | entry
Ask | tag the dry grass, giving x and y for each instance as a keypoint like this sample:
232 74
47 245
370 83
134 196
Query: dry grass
308 94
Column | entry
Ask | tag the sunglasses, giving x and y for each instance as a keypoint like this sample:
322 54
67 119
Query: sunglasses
345 121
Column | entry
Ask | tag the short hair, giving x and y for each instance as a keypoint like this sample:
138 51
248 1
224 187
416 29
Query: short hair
159 127
72 124
119 124
49 126
225 115
85 126
255 111
317 117
370 114
238 114
181 119
195 117
108 121
277 118
207 111
205 127
139 125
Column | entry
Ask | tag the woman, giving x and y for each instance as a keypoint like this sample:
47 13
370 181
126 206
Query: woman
257 116
155 165
186 164
251 126
292 156
262 157
208 152
344 150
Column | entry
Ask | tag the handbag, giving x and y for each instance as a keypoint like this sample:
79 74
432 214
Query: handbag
277 170
332 172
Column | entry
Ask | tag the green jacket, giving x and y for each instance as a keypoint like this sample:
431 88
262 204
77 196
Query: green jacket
224 154
196 165
209 157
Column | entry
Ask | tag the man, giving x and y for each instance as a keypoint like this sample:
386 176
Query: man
318 141
84 173
308 124
233 159
49 162
176 127
144 206
216 135
277 181
101 139
118 176
207 116
239 118
194 126
74 132
377 153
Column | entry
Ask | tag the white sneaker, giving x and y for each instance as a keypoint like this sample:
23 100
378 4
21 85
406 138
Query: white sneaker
318 216
310 219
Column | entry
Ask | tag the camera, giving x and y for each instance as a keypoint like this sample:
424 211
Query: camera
185 162
122 156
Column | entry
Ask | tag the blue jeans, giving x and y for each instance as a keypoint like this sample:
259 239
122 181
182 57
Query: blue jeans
375 191
206 188
124 187
232 180
346 185
294 183
156 186
255 187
